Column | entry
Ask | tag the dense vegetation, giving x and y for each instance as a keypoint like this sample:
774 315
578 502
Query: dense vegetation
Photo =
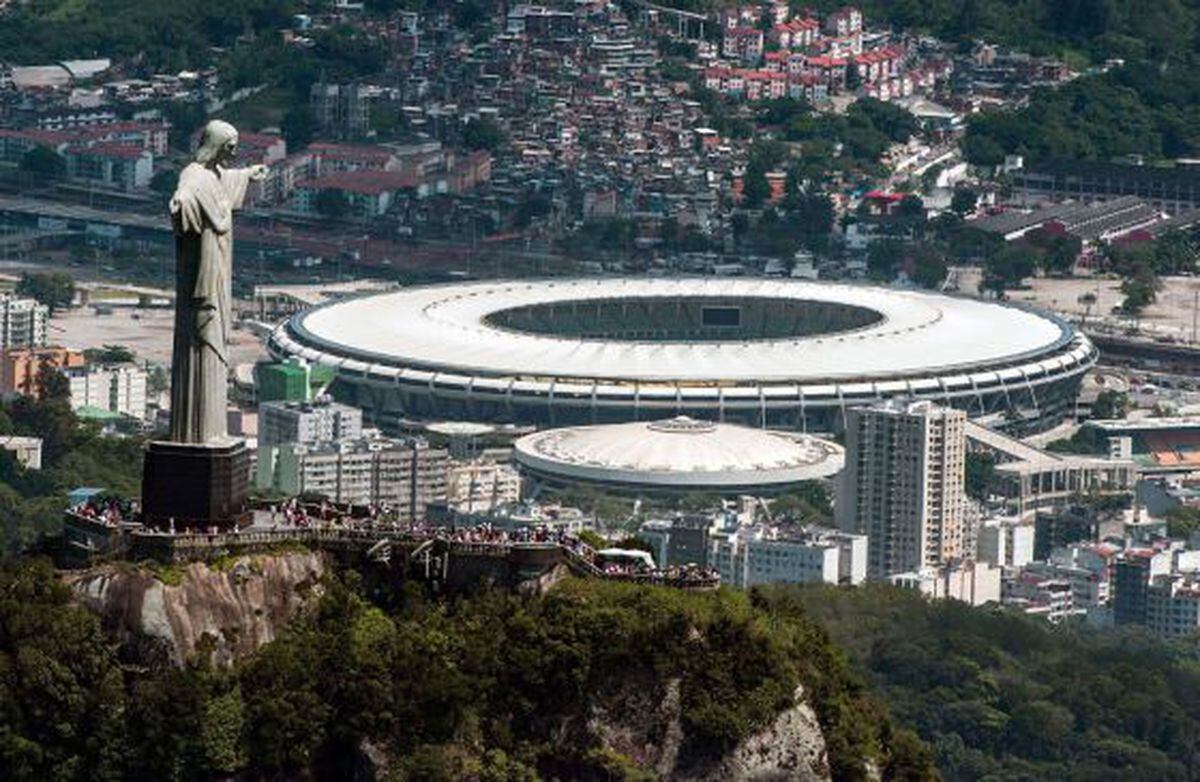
490 687
73 455
172 36
1003 697
1140 109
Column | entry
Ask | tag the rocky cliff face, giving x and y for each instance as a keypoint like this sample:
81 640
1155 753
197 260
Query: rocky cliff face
226 612
792 747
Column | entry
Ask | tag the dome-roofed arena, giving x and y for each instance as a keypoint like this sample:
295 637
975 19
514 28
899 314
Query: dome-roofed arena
675 456
776 353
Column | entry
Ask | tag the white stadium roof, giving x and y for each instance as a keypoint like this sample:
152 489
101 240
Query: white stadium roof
444 329
678 453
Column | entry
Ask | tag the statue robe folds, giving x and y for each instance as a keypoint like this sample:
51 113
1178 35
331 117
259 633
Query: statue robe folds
202 215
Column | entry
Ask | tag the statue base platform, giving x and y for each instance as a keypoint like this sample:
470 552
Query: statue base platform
195 485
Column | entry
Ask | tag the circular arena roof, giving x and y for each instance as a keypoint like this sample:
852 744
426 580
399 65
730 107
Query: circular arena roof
459 428
679 454
682 331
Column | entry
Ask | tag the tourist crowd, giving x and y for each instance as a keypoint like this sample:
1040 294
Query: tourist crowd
107 510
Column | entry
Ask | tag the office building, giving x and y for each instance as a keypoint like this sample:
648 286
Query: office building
307 423
481 485
404 476
903 485
22 323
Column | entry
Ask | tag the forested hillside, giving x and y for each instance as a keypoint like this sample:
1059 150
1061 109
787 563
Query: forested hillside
1147 110
490 687
1005 697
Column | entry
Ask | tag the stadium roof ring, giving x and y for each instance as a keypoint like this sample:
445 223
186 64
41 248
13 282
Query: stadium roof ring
768 352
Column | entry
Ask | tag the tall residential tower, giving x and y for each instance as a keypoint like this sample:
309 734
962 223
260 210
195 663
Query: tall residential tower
903 485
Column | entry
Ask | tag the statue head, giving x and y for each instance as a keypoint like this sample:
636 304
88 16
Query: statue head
218 143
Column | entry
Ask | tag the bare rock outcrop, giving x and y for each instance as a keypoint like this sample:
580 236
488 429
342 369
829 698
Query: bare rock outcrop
226 612
791 747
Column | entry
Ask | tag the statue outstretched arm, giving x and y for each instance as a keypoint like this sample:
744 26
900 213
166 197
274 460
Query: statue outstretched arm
237 180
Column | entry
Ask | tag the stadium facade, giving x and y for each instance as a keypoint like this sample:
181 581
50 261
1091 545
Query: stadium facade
780 354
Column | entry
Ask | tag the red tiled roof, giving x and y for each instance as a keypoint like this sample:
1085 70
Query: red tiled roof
350 151
49 137
363 182
258 139
827 62
798 25
107 149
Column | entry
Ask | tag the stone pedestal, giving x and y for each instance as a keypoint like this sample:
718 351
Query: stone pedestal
196 485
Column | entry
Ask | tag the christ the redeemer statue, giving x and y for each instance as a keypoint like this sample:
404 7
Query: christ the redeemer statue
202 216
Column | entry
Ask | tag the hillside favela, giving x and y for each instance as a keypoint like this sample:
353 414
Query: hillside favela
678 390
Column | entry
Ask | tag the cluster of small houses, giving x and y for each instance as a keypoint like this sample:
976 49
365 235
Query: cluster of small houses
811 59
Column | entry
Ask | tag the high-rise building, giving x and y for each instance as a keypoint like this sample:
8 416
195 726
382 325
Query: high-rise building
307 423
22 323
1132 574
406 475
902 486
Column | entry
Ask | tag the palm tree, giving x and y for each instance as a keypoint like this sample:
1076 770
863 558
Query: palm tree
1088 300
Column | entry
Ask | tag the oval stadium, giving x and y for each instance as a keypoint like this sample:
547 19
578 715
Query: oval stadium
772 353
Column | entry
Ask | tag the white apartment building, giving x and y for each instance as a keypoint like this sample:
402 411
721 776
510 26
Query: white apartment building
902 486
22 323
755 555
974 583
307 423
1005 542
117 388
406 475
480 485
